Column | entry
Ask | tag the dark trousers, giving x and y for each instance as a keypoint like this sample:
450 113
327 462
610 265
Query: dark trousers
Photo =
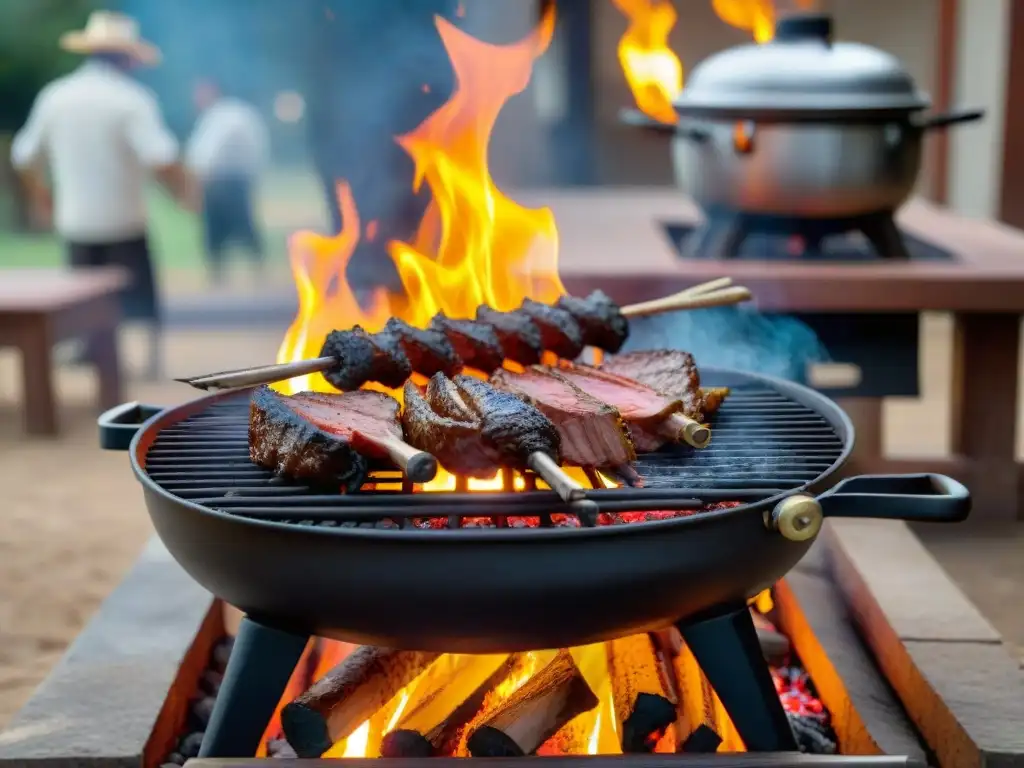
140 300
228 218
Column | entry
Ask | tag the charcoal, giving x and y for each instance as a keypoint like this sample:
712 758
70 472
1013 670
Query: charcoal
558 329
190 744
519 335
477 344
281 749
703 740
428 349
812 736
601 323
210 681
222 653
364 357
175 758
201 711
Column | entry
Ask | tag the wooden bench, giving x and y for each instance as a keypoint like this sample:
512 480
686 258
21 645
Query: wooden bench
42 307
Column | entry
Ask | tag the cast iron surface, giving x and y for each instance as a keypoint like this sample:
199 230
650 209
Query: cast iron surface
487 590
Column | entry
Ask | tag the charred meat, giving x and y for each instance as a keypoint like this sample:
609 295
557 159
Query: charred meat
364 357
445 427
601 322
475 343
638 403
316 437
559 330
670 371
429 351
592 432
513 427
519 335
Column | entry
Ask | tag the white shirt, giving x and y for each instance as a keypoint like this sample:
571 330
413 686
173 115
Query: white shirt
101 132
229 139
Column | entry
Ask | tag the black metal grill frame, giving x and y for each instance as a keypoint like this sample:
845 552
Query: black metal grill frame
769 439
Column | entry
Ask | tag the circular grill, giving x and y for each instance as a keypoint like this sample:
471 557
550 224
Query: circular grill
765 442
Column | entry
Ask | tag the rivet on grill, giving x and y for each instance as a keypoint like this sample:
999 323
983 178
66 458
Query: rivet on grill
797 518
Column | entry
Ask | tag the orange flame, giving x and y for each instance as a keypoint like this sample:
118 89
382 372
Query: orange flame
754 16
653 71
474 245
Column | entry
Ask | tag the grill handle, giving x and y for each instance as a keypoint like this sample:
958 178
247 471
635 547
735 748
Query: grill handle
120 424
924 498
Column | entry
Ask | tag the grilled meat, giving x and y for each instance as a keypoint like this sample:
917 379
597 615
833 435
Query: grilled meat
429 351
515 428
475 343
519 335
559 330
364 357
455 438
316 437
670 371
601 322
638 403
592 433
713 397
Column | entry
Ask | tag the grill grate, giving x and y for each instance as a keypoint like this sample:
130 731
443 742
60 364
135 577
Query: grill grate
763 443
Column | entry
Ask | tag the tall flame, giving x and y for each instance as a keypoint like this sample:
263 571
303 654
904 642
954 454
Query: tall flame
474 245
654 73
754 16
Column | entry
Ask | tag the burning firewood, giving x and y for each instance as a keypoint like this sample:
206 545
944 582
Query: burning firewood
336 705
444 700
643 692
524 721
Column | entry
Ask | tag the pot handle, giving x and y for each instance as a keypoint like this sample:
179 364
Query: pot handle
119 425
925 498
946 119
634 118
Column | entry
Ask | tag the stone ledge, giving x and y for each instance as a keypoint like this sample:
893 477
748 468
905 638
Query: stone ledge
130 656
959 685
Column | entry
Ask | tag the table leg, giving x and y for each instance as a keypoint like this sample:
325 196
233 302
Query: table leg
37 379
866 415
986 352
103 346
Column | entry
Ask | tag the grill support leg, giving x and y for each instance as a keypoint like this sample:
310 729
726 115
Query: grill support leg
727 650
262 661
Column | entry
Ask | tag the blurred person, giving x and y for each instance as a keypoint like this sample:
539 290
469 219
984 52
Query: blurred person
101 133
377 70
228 149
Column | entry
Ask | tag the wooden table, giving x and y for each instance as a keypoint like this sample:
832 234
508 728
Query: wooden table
41 307
611 239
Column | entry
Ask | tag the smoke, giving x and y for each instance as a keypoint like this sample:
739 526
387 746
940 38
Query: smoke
734 337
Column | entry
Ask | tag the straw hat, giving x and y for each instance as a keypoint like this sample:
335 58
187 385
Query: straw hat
108 32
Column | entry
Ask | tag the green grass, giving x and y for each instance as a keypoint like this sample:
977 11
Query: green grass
175 238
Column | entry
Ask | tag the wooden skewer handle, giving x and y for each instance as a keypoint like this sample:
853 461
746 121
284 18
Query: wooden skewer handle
419 466
264 374
568 490
680 301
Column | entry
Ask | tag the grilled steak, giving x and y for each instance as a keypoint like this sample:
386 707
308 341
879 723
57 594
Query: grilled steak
429 351
519 335
513 427
601 322
475 343
316 437
592 433
713 397
457 443
559 331
444 398
670 371
364 357
638 403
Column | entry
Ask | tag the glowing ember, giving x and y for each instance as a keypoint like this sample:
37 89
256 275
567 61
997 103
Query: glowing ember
653 71
755 16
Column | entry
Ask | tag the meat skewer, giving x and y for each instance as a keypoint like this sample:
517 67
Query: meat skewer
327 438
598 321
477 429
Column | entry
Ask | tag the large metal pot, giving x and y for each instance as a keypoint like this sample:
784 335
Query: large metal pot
801 126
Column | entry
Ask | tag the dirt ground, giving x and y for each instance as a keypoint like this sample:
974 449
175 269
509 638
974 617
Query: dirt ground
72 519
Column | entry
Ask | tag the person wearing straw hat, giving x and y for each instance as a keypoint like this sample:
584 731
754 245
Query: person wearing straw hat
101 134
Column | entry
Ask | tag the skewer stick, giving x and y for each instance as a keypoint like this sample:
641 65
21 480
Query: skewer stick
692 432
567 489
714 293
419 466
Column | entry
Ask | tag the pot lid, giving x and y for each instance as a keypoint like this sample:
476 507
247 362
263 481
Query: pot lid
800 72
